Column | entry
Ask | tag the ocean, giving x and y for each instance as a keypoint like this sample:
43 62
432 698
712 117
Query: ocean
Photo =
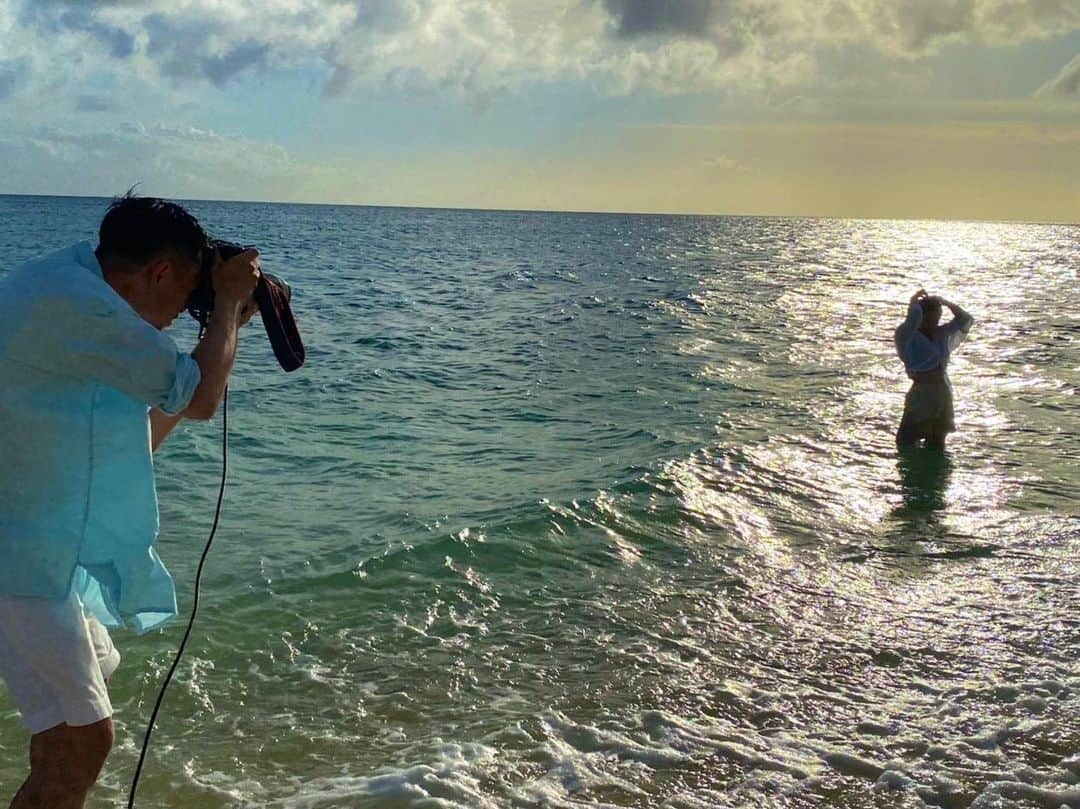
576 510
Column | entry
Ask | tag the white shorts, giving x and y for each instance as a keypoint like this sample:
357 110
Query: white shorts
55 660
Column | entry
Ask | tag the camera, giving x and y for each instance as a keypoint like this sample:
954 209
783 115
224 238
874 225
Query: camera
272 295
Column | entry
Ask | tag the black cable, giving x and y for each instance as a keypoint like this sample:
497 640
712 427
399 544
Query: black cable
195 601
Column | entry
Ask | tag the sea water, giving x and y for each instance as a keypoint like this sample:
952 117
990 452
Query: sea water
605 510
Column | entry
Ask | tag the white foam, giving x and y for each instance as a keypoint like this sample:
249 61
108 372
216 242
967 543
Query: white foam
448 781
991 797
222 784
849 764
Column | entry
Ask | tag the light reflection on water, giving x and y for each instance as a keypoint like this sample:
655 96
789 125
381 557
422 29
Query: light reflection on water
924 556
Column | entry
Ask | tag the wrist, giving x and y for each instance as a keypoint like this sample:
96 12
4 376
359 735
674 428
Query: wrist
226 315
229 305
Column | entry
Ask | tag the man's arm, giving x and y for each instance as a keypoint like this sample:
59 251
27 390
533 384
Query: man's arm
162 423
214 355
234 286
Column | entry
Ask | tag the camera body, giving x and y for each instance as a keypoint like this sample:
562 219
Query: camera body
272 295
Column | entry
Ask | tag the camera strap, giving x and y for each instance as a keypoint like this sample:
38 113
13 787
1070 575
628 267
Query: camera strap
195 601
280 324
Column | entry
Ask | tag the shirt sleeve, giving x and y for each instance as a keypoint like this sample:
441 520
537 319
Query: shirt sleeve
906 330
185 381
956 330
98 336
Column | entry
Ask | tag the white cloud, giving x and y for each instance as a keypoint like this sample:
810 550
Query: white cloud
465 46
1065 84
1011 21
898 27
10 71
159 60
724 164
166 160
476 48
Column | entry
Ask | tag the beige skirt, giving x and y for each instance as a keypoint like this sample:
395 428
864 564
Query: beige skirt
928 409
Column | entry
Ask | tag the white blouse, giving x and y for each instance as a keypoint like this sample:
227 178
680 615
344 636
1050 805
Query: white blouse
921 353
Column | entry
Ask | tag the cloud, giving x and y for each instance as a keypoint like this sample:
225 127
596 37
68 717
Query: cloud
55 17
1011 21
914 26
724 164
897 27
467 47
649 17
197 48
1065 84
9 75
759 46
169 160
477 49
95 102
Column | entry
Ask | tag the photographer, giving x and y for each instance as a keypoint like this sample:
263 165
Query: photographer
89 386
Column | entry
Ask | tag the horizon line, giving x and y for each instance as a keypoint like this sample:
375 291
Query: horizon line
465 209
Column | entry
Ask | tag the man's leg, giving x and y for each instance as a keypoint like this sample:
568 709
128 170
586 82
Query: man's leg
55 661
65 762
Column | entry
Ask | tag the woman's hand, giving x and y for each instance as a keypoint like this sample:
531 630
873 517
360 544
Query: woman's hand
918 296
952 307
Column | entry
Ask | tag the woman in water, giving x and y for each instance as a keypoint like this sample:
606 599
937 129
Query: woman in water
924 346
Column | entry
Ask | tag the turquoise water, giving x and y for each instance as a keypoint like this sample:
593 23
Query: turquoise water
591 510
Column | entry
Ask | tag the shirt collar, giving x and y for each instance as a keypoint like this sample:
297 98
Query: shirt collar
84 255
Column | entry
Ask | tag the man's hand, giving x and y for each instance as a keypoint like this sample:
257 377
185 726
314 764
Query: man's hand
234 306
235 279
234 285
249 310
918 296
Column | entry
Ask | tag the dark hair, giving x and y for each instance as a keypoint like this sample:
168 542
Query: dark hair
930 304
137 229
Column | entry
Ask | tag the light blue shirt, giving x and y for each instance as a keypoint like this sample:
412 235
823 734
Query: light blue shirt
79 371
920 353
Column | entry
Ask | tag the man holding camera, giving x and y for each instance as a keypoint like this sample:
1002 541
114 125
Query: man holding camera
89 387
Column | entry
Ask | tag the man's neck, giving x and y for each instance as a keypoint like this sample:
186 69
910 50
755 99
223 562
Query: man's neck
125 280
118 279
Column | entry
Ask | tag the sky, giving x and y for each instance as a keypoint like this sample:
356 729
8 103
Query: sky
954 109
